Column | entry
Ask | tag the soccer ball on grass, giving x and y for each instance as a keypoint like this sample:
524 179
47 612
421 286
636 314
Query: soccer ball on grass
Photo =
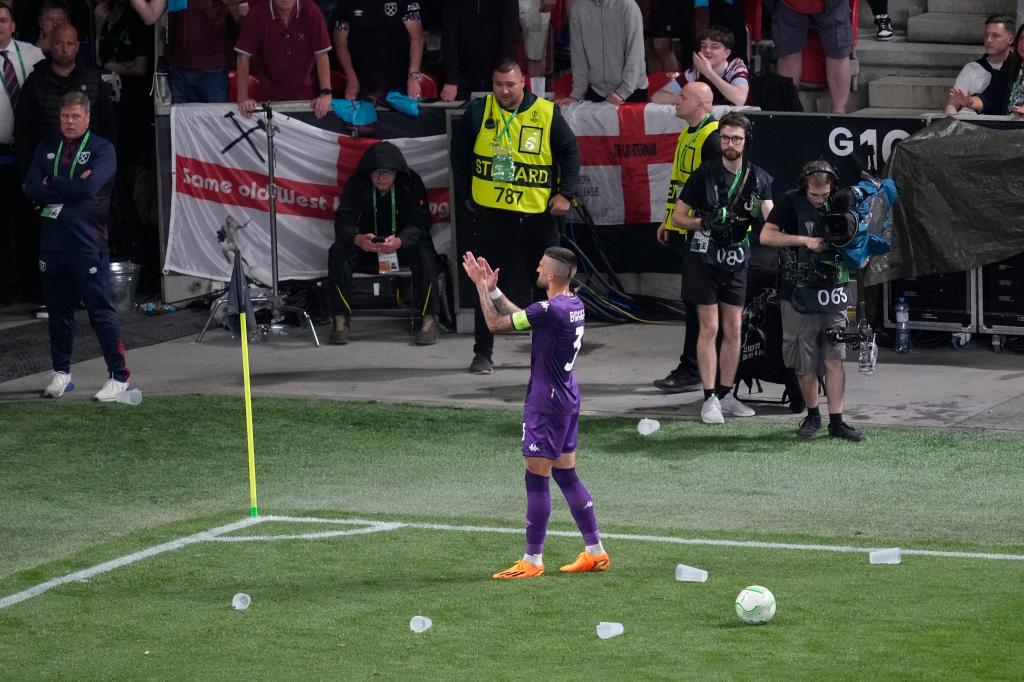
755 605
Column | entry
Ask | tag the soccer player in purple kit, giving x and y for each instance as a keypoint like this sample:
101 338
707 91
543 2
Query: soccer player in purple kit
552 406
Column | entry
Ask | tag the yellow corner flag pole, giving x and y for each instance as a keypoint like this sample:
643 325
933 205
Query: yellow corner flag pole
248 415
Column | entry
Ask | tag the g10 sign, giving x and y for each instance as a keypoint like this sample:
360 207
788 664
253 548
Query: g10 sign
785 142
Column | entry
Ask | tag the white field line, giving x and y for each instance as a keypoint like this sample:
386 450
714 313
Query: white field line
666 539
370 526
375 528
108 566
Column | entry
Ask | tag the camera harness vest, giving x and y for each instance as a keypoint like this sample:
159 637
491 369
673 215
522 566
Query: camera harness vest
733 252
814 282
688 157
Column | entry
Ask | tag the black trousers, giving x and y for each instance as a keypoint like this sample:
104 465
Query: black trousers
68 278
680 245
343 260
514 242
19 240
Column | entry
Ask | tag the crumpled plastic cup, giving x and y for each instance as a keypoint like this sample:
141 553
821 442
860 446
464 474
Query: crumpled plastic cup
691 574
647 426
607 630
420 624
885 556
132 396
241 601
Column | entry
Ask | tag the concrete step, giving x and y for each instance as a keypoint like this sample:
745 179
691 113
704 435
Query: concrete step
985 7
946 27
901 52
908 92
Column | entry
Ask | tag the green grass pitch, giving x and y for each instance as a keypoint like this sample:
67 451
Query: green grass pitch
83 484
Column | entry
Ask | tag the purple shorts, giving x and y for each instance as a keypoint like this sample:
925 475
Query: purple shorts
549 435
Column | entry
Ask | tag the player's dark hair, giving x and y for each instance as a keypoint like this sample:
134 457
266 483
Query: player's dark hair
564 256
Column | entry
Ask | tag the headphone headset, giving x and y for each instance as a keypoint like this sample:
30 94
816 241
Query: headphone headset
819 166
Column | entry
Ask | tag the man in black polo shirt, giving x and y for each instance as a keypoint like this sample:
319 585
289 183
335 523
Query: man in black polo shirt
380 46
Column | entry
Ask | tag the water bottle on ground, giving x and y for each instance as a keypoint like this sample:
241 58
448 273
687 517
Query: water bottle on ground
868 355
903 326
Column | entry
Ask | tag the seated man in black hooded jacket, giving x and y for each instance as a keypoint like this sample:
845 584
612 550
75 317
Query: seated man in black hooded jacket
383 211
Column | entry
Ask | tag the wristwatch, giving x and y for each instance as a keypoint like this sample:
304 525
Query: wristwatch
326 91
415 75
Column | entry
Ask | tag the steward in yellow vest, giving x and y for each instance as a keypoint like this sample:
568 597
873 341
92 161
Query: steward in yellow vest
516 166
688 158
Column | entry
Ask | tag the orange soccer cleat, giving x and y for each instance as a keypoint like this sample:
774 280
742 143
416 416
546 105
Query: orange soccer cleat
521 569
587 563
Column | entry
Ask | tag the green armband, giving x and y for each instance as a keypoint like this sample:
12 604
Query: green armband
520 321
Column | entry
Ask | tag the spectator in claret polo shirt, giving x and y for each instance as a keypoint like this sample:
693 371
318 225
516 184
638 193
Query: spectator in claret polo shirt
380 46
290 38
199 50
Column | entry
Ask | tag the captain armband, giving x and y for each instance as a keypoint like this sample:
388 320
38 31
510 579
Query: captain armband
520 321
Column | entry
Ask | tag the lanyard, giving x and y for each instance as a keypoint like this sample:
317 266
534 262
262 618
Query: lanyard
21 62
393 221
735 181
74 163
508 122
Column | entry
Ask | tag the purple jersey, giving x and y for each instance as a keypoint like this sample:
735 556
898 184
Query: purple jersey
557 337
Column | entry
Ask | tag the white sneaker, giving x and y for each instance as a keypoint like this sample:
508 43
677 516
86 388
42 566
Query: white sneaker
111 389
711 411
60 383
734 408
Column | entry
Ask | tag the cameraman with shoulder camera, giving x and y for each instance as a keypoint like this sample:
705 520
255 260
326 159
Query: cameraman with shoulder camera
718 205
815 292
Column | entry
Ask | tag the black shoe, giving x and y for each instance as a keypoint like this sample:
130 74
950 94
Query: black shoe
678 383
427 335
481 364
883 27
844 431
809 427
339 335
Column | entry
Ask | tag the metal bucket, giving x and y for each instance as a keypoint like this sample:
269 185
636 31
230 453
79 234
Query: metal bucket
124 283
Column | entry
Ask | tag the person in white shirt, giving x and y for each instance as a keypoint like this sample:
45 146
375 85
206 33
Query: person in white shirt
977 77
18 247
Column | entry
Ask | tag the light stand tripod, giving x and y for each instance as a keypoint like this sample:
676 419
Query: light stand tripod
277 303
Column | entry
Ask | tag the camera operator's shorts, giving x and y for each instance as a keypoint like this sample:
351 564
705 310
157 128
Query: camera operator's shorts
705 284
549 435
835 26
804 346
535 28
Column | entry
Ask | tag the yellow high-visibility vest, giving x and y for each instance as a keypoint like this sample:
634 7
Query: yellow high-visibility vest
527 135
686 161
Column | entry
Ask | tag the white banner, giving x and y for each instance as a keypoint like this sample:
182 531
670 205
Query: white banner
220 170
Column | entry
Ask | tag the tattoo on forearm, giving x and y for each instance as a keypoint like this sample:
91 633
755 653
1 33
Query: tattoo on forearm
505 306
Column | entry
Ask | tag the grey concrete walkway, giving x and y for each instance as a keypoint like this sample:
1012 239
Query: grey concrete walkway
975 388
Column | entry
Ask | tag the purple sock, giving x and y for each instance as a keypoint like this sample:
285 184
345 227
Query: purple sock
538 511
580 503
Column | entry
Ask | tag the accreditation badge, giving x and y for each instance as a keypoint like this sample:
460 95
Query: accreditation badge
51 211
503 168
